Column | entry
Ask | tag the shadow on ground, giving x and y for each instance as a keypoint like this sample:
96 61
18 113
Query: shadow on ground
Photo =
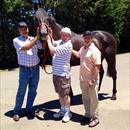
45 111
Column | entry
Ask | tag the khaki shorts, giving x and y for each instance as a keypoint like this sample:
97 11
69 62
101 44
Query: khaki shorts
62 85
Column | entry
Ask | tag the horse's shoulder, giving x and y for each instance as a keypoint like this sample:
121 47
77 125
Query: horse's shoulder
77 41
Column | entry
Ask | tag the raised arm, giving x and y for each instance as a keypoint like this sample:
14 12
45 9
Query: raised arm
50 45
32 42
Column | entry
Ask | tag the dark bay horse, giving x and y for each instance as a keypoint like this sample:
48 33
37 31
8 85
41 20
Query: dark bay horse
105 41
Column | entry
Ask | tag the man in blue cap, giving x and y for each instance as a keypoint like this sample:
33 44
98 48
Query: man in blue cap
26 47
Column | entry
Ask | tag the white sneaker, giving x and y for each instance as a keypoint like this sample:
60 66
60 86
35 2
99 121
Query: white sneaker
59 114
67 117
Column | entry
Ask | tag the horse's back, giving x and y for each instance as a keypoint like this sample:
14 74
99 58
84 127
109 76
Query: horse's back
105 41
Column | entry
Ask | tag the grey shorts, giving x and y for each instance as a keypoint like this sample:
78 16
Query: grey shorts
62 85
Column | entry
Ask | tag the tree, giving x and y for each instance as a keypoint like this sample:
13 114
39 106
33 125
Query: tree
83 15
125 37
80 15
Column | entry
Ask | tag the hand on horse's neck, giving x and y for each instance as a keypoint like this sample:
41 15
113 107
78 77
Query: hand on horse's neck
25 36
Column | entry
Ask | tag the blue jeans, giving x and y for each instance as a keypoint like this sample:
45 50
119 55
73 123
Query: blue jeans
27 77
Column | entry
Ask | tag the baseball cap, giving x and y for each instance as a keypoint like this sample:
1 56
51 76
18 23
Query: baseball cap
87 33
22 24
66 30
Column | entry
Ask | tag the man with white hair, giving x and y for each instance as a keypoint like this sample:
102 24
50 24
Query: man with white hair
61 51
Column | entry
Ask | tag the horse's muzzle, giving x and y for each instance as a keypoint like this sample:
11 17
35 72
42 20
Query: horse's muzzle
43 34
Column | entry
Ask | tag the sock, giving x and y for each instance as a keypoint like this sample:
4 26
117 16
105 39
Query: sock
62 108
67 109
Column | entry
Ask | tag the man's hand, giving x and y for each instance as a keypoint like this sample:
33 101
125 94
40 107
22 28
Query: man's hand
92 82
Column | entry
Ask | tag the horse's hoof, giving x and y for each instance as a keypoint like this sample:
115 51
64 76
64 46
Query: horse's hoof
113 97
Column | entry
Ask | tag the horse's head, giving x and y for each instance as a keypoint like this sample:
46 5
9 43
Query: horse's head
41 22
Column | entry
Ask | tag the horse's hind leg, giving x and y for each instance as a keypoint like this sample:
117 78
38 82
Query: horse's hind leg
114 88
112 73
101 73
114 77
